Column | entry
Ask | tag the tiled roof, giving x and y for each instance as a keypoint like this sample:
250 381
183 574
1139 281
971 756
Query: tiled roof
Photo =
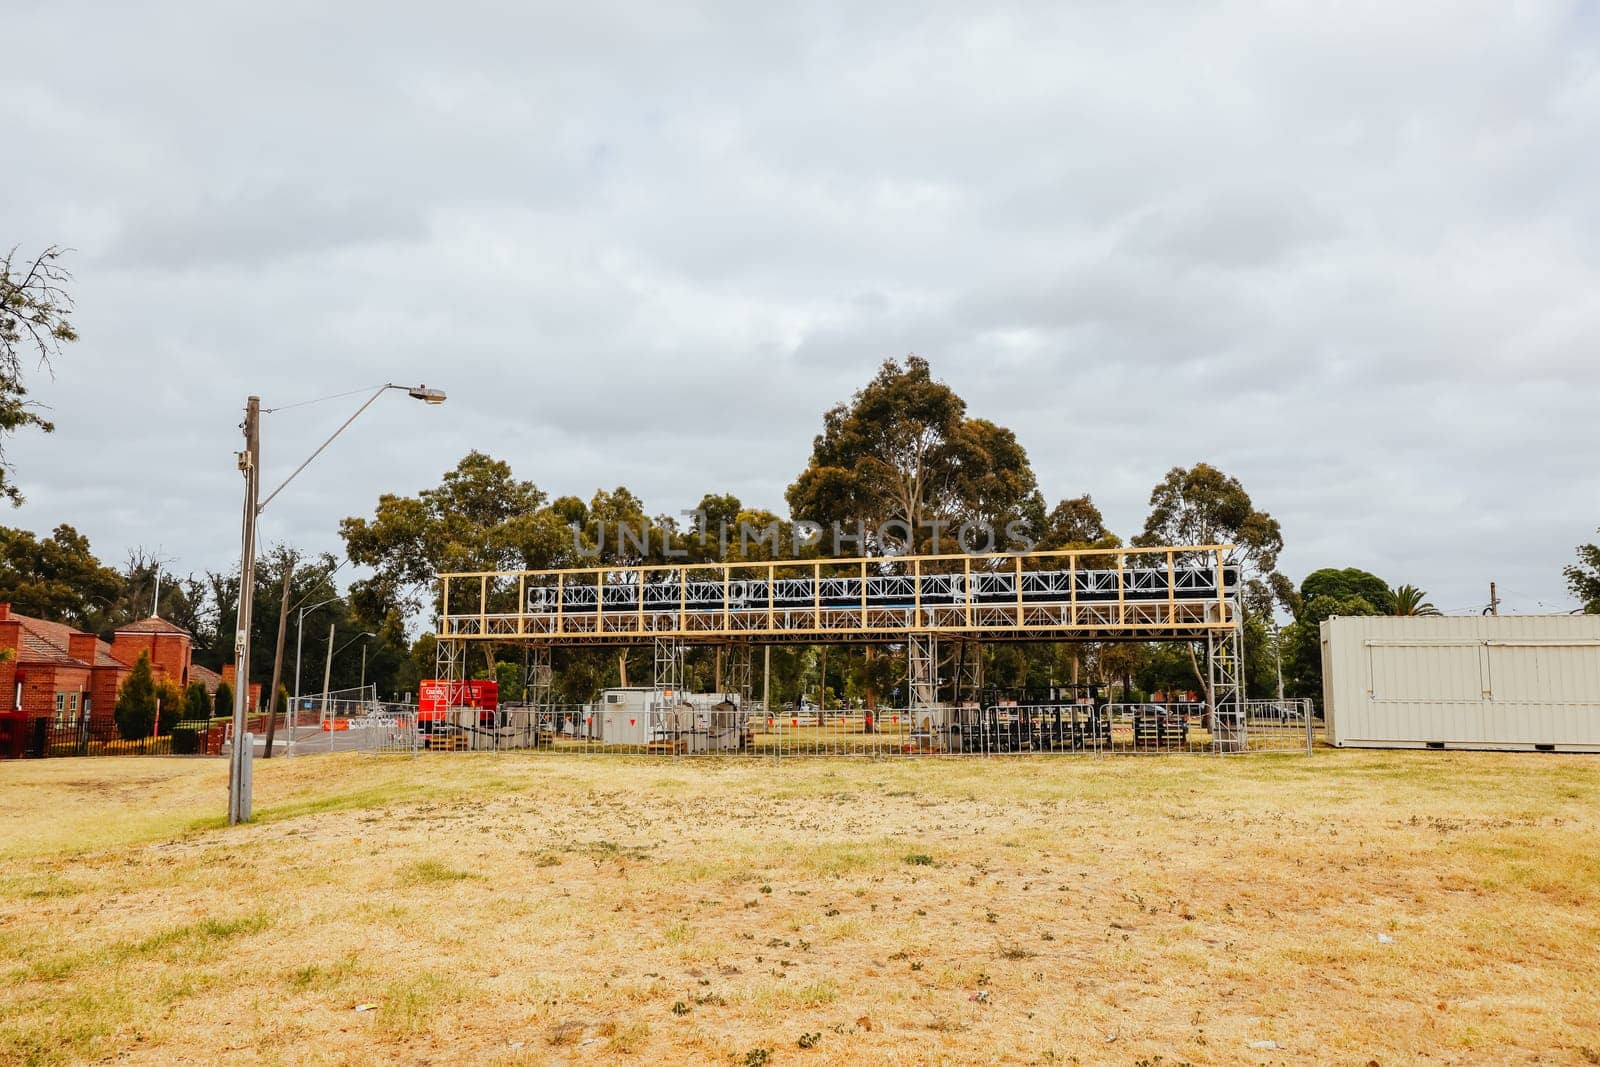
205 675
44 641
153 625
47 642
36 649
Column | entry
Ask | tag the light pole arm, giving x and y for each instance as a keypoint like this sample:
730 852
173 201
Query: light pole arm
320 448
352 641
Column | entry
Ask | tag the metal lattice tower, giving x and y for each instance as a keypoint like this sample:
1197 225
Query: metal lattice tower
538 685
740 671
922 676
450 669
668 669
1225 671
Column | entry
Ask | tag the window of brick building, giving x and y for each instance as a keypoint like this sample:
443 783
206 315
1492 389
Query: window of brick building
66 709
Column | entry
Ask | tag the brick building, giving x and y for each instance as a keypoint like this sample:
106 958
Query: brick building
51 671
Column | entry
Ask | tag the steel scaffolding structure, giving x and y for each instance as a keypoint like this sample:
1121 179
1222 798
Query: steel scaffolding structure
1166 593
929 604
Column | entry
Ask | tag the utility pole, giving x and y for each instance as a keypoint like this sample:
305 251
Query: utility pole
1494 600
1277 650
299 639
277 660
362 690
327 672
238 763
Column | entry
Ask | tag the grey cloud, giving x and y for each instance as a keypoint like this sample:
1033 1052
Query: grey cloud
1348 255
255 228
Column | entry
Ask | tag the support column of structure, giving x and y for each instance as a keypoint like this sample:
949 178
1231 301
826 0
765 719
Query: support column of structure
922 690
1225 669
922 672
449 670
740 680
538 691
668 688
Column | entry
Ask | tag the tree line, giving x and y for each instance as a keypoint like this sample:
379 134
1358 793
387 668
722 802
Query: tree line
899 460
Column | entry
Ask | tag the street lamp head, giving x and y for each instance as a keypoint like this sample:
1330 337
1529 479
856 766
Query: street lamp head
426 395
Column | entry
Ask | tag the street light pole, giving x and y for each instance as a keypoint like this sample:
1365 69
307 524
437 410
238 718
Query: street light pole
299 634
239 760
327 664
327 672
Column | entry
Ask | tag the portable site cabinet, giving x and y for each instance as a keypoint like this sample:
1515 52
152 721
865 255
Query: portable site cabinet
691 722
1516 682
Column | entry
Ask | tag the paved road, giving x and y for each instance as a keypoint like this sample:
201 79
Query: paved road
310 739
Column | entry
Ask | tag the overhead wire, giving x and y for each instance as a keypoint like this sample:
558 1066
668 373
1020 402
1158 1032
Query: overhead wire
321 399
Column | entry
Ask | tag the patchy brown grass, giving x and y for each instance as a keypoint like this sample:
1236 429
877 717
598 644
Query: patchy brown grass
537 909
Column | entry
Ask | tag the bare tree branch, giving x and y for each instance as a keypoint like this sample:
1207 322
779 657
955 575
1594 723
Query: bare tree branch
35 311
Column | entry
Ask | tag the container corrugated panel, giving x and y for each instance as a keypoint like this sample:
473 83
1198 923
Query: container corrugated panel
1506 681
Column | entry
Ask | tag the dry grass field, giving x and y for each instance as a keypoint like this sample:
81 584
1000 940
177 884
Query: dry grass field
1348 908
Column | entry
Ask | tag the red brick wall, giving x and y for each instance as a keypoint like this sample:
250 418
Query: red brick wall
83 647
107 681
171 655
10 638
41 683
255 687
126 647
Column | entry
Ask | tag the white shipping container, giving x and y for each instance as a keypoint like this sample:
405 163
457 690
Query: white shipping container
1519 682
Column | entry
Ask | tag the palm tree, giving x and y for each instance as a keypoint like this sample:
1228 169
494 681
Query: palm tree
1409 600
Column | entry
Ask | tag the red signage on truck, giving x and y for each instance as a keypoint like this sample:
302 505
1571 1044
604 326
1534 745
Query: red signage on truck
434 696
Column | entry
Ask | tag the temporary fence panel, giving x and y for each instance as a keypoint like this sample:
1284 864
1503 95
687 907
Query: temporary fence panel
681 729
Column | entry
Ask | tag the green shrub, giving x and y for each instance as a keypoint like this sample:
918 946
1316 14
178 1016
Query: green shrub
172 705
135 713
196 702
222 703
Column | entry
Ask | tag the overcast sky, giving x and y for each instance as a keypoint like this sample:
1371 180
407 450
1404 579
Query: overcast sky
1348 253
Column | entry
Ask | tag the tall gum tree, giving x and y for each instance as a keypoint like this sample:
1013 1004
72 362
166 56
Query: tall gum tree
1201 505
903 459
